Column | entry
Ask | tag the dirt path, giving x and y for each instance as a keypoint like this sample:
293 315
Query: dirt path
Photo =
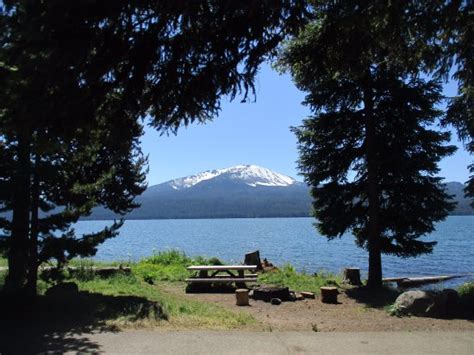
347 316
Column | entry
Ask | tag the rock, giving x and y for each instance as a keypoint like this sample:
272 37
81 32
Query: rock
453 302
275 301
251 293
308 295
266 293
63 290
452 296
423 303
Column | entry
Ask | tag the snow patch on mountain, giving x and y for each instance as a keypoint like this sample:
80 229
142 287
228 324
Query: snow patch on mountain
252 175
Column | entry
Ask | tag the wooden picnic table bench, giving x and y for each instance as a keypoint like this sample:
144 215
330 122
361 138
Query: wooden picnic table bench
232 273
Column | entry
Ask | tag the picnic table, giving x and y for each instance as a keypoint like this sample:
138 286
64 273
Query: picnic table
222 274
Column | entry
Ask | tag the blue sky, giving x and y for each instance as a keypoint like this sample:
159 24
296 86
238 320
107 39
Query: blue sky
253 133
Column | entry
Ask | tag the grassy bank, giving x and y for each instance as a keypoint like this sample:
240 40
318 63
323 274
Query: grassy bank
152 293
289 277
178 311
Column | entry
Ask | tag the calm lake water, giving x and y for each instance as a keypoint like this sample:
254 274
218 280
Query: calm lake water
285 240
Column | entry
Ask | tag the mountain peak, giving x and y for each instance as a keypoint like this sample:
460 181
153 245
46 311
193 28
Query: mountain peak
251 175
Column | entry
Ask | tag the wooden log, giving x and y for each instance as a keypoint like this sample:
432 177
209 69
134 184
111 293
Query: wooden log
308 295
329 294
253 258
415 281
242 297
352 276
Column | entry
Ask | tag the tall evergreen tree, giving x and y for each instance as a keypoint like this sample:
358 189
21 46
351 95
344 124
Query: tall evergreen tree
458 30
80 75
370 151
445 31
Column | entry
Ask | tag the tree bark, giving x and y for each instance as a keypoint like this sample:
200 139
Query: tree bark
375 258
19 243
33 257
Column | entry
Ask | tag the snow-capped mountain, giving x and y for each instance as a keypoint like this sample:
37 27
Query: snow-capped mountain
251 175
239 191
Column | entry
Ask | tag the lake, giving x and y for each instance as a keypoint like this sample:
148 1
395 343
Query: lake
285 240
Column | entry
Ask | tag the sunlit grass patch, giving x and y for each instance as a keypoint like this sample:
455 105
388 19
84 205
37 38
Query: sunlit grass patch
169 265
289 277
180 312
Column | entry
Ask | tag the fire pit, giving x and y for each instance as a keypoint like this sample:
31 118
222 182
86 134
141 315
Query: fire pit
266 293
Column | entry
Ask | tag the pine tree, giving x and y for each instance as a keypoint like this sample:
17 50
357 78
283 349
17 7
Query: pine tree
458 18
445 31
79 78
370 151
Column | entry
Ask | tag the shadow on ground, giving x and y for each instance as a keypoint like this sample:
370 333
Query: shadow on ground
53 325
461 309
374 299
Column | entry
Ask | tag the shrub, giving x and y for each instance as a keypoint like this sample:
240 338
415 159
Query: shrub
85 270
466 292
54 275
169 257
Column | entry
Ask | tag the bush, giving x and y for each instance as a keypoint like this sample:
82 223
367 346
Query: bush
155 272
54 275
85 270
466 292
169 257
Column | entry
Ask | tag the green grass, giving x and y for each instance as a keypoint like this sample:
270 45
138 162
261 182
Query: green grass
181 312
169 266
466 293
466 290
3 261
287 276
85 262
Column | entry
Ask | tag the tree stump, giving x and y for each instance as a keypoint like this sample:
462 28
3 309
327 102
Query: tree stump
352 276
242 297
329 294
253 259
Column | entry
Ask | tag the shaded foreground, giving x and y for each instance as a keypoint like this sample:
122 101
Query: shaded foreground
152 295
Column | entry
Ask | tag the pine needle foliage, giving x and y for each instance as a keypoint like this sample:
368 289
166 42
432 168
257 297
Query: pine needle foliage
370 149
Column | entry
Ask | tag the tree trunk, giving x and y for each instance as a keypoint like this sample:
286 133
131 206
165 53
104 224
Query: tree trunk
253 258
375 259
352 276
19 243
33 257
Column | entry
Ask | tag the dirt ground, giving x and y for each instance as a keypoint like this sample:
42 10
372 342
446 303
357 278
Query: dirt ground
311 314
